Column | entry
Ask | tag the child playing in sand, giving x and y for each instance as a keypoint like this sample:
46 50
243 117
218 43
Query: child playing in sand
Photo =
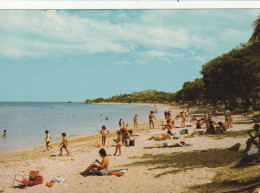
135 121
4 133
64 144
104 133
103 165
48 140
118 143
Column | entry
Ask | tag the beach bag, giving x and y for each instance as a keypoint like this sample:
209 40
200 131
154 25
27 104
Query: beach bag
132 142
184 131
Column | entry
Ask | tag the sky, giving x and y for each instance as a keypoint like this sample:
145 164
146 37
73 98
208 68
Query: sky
62 55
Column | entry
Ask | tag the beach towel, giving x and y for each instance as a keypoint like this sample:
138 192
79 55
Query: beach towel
118 172
252 151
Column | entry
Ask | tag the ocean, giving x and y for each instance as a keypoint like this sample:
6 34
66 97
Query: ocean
26 122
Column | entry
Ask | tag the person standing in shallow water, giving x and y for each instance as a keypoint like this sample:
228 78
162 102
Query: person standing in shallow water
151 118
4 133
120 123
135 121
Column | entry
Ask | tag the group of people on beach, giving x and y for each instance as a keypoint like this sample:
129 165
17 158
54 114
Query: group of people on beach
63 144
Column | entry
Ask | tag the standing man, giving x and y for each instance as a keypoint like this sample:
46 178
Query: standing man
151 118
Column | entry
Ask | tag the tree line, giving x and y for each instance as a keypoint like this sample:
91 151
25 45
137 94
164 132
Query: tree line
232 79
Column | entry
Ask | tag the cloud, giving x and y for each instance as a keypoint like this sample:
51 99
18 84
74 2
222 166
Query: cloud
164 34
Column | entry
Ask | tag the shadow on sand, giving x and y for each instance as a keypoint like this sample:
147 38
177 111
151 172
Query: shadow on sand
181 161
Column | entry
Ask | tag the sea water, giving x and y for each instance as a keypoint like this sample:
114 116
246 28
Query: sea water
26 122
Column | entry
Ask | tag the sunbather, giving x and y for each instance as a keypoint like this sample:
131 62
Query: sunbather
103 165
181 144
220 128
192 134
163 137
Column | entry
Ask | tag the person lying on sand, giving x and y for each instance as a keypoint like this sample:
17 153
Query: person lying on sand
95 168
181 144
169 127
253 139
193 134
194 118
163 137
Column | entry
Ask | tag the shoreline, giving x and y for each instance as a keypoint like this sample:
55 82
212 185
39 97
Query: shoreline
200 164
91 136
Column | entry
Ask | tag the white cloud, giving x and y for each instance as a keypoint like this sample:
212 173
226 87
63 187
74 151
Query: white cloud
156 33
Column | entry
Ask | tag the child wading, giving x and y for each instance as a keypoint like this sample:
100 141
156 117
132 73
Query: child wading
104 133
48 139
64 144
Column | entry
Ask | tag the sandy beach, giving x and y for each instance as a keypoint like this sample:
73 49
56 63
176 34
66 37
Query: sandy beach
180 169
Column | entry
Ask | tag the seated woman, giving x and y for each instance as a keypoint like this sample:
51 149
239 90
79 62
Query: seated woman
211 129
199 125
163 137
98 168
194 118
220 128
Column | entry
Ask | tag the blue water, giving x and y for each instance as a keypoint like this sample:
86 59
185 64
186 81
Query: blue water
26 122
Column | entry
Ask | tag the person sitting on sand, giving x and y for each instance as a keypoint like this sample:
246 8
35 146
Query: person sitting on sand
103 165
253 139
164 136
118 142
220 128
4 133
48 139
104 133
169 127
64 144
151 118
194 118
211 129
135 119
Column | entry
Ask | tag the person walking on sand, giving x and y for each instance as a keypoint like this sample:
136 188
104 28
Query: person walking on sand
135 121
104 133
151 118
48 139
4 133
227 118
64 144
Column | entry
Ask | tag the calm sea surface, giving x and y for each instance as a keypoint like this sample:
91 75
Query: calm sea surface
26 122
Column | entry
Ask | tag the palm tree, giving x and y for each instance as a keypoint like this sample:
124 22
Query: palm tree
256 34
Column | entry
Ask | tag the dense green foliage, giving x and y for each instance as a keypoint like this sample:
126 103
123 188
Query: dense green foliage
232 79
148 96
